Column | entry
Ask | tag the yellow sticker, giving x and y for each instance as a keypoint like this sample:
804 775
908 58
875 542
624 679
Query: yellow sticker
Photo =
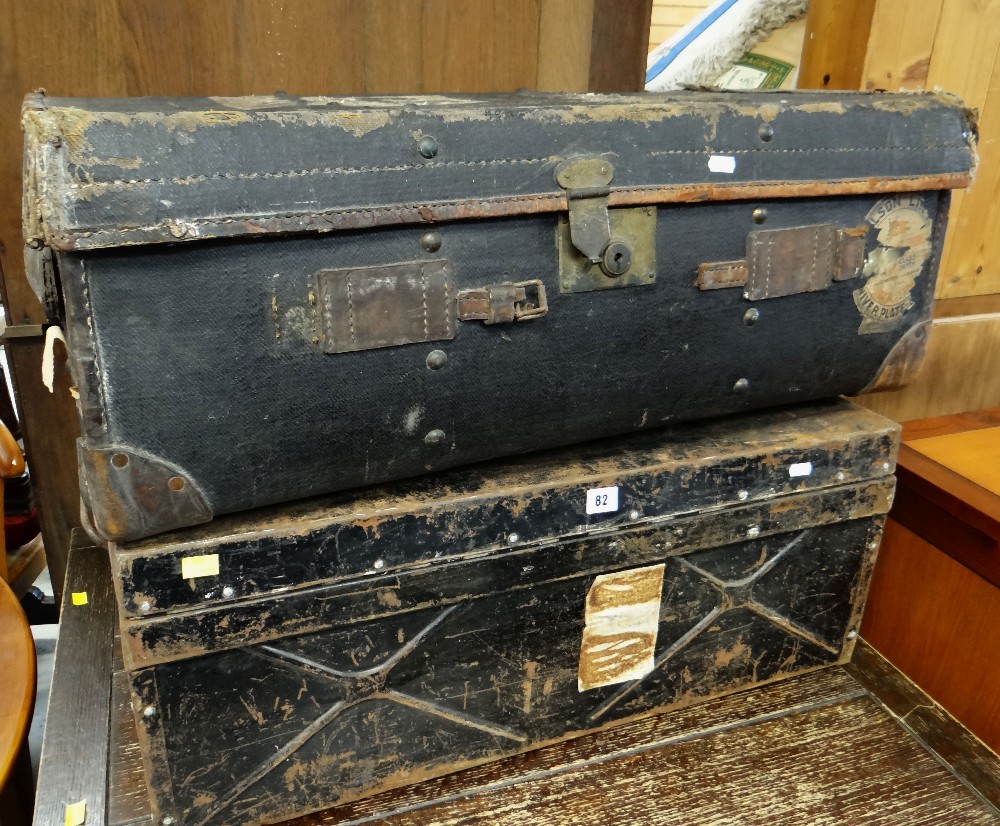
79 597
196 566
621 619
76 813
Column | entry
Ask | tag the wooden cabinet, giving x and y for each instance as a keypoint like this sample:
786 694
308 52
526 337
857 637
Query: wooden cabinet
935 596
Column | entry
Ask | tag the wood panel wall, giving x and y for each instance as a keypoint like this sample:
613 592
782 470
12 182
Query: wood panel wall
670 16
952 45
239 47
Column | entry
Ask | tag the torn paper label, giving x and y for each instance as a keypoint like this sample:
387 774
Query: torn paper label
621 619
52 335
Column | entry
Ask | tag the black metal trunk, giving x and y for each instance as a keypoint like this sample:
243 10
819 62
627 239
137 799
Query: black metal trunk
289 659
273 298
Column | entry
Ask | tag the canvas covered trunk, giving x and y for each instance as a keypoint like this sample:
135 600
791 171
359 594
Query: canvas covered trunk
272 298
290 659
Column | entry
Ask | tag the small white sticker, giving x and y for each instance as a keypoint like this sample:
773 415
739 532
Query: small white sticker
722 163
800 469
602 500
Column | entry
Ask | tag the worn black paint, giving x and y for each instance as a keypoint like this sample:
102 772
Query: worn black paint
418 692
659 474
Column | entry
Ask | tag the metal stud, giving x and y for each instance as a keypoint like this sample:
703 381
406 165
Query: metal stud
434 437
228 591
633 514
742 386
765 132
852 634
513 539
168 821
753 531
144 607
431 241
841 476
750 316
759 215
436 359
743 495
378 564
148 711
886 466
428 146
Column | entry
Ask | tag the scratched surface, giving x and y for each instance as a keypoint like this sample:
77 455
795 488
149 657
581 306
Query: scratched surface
273 729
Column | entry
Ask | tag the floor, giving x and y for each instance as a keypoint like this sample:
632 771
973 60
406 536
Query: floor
45 649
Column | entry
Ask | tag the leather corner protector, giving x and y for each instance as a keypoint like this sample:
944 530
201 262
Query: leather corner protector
130 495
904 361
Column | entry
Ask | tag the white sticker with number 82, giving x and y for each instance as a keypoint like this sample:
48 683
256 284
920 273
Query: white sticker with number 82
602 500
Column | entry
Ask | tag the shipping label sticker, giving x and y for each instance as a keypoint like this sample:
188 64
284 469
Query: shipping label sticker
602 500
904 229
621 620
193 567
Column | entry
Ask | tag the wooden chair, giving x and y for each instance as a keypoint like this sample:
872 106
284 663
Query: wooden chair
11 466
17 701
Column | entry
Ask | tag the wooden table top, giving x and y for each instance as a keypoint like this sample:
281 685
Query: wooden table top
949 487
854 744
17 679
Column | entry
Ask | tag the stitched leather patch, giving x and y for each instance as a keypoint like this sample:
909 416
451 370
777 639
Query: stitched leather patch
789 261
370 307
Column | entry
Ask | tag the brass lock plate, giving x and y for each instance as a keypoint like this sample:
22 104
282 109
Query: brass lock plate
635 228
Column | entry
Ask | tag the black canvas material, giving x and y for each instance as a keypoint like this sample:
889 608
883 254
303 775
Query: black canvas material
188 235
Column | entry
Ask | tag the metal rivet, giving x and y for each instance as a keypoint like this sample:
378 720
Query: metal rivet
144 607
119 460
750 316
513 538
378 564
176 483
428 146
431 241
634 514
872 546
741 386
743 495
886 466
766 132
753 531
168 821
841 476
759 215
617 259
434 437
228 591
436 359
148 711
852 634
